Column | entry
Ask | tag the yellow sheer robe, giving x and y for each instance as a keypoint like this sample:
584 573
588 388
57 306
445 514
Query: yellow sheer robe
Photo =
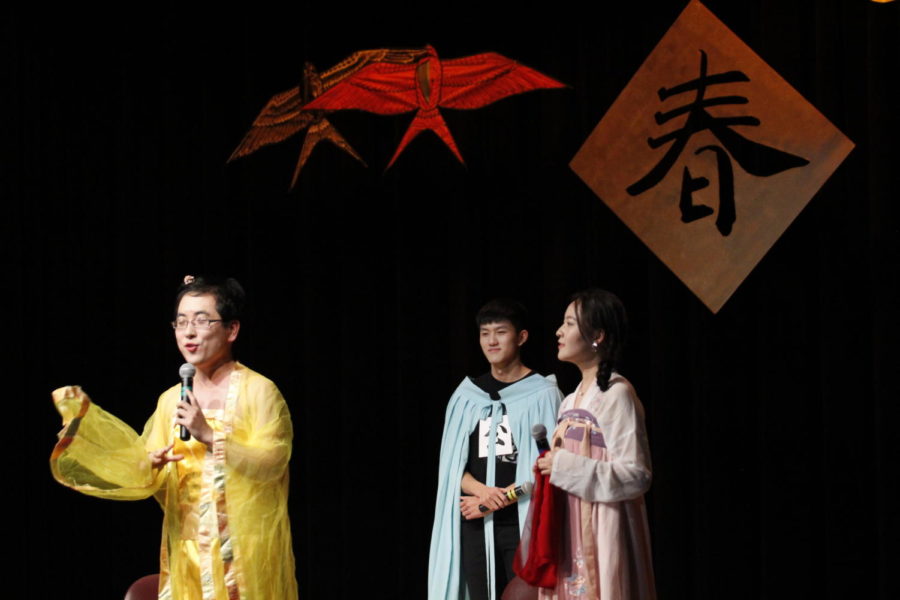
226 533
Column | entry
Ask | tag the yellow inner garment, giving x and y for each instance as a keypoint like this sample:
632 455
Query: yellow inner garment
195 488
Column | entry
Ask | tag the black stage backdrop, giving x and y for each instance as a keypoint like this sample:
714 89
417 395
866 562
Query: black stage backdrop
770 422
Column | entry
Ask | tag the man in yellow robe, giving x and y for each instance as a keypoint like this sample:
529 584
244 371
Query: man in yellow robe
226 532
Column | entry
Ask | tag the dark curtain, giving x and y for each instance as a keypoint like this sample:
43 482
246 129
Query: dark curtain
770 423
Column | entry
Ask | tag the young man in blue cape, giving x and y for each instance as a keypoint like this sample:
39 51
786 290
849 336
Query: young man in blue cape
486 449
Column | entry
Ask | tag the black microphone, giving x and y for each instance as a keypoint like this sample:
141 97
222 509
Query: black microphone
539 433
186 372
513 495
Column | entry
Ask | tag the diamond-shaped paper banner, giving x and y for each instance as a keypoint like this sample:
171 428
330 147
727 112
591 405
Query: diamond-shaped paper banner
708 155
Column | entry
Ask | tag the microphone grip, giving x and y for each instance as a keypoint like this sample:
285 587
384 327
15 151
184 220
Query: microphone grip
542 445
187 383
512 494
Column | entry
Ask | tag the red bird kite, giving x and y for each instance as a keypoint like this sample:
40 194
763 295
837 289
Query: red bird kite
389 88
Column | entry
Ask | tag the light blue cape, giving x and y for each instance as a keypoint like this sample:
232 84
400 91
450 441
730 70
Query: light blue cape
529 401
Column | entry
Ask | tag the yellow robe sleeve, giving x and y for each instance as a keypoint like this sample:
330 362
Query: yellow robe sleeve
256 454
258 447
100 455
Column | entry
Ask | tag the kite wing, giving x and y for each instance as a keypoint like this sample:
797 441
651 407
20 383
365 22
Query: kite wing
481 79
356 61
282 117
380 88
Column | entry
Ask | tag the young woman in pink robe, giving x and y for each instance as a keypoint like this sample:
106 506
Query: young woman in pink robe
601 458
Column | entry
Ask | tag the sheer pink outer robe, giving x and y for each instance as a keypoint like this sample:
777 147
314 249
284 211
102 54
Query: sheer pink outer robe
605 468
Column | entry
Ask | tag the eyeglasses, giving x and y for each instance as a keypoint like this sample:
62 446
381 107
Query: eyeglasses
198 322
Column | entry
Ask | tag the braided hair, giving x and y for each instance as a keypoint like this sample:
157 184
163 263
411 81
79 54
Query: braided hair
598 311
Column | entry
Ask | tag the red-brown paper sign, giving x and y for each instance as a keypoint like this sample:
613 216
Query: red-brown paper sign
708 155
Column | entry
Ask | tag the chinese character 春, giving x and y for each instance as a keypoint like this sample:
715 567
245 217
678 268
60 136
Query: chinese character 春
755 158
